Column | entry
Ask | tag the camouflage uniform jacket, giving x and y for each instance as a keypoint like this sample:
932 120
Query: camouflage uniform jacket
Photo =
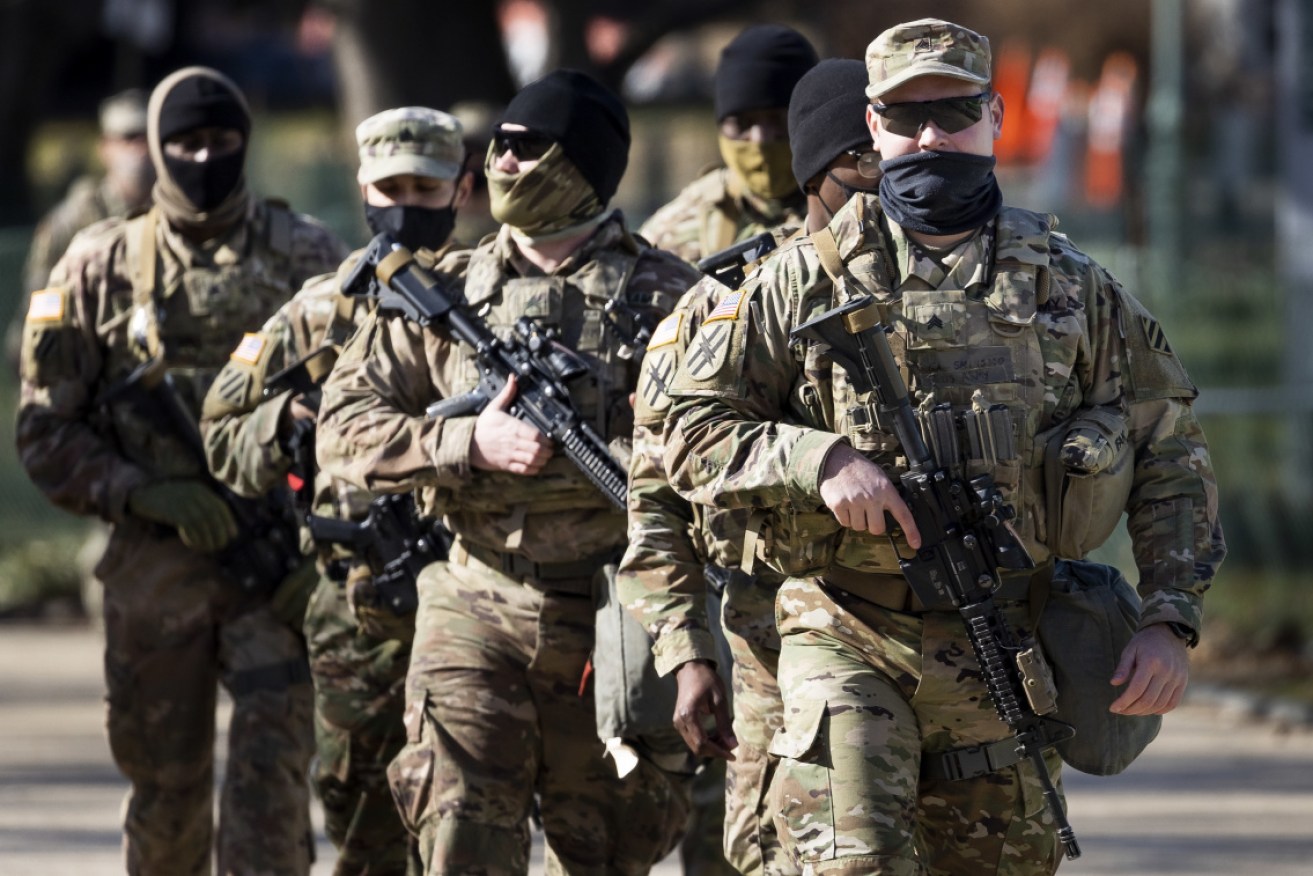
708 216
241 428
373 431
1039 329
101 317
89 200
661 579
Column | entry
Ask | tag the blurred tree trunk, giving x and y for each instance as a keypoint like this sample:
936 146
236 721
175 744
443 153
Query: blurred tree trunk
1294 225
391 53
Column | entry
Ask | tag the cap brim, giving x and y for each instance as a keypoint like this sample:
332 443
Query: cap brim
916 71
417 165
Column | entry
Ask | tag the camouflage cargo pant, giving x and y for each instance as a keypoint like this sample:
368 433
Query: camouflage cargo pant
176 627
359 700
867 692
702 851
751 844
496 715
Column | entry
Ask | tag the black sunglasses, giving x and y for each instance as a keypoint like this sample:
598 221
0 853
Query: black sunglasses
950 114
868 162
524 145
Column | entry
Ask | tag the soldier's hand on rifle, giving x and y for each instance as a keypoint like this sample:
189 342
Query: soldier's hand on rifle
701 696
1154 667
503 443
858 493
295 412
203 520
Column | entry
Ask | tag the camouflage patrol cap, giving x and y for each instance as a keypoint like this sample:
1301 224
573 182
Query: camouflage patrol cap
928 47
124 114
410 139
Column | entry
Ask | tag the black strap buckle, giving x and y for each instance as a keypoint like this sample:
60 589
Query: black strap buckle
971 761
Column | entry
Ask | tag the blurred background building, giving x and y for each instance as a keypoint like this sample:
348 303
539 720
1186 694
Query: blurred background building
1173 137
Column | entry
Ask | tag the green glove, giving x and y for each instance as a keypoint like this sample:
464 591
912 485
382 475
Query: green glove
203 520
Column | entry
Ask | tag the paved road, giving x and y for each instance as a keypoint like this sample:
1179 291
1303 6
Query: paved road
1215 794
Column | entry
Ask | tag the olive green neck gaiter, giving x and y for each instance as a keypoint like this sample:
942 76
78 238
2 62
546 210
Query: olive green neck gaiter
549 200
765 169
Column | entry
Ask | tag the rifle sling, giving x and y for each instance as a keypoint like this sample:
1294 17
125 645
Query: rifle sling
971 761
893 593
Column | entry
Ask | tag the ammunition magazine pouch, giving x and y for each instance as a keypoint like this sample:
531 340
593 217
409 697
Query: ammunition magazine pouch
1083 509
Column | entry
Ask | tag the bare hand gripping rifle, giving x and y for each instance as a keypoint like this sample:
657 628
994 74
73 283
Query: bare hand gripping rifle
965 540
541 365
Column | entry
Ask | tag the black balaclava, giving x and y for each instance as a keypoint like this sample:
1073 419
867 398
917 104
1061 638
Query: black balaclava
585 117
759 68
210 195
827 116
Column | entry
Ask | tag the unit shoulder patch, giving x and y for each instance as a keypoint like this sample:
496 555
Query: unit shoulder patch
708 350
1154 335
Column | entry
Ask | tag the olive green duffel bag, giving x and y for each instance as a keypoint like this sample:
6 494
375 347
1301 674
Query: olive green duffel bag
1087 619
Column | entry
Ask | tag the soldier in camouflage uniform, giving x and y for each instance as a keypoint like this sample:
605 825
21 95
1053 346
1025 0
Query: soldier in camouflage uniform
498 707
662 579
124 188
755 191
412 181
992 309
175 287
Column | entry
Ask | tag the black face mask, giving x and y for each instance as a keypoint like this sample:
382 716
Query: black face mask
207 183
940 192
413 227
848 192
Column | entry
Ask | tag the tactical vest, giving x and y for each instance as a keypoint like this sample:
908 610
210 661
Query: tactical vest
992 365
193 318
574 306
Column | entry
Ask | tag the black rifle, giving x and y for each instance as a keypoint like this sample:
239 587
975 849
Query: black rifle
728 265
267 547
395 541
542 366
965 540
304 378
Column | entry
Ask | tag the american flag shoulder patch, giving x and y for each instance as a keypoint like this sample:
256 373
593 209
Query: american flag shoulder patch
250 349
48 305
728 308
667 331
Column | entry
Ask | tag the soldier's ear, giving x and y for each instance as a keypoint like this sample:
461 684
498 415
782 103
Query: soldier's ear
464 188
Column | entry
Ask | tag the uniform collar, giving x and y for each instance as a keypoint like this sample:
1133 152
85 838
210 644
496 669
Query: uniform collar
964 266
